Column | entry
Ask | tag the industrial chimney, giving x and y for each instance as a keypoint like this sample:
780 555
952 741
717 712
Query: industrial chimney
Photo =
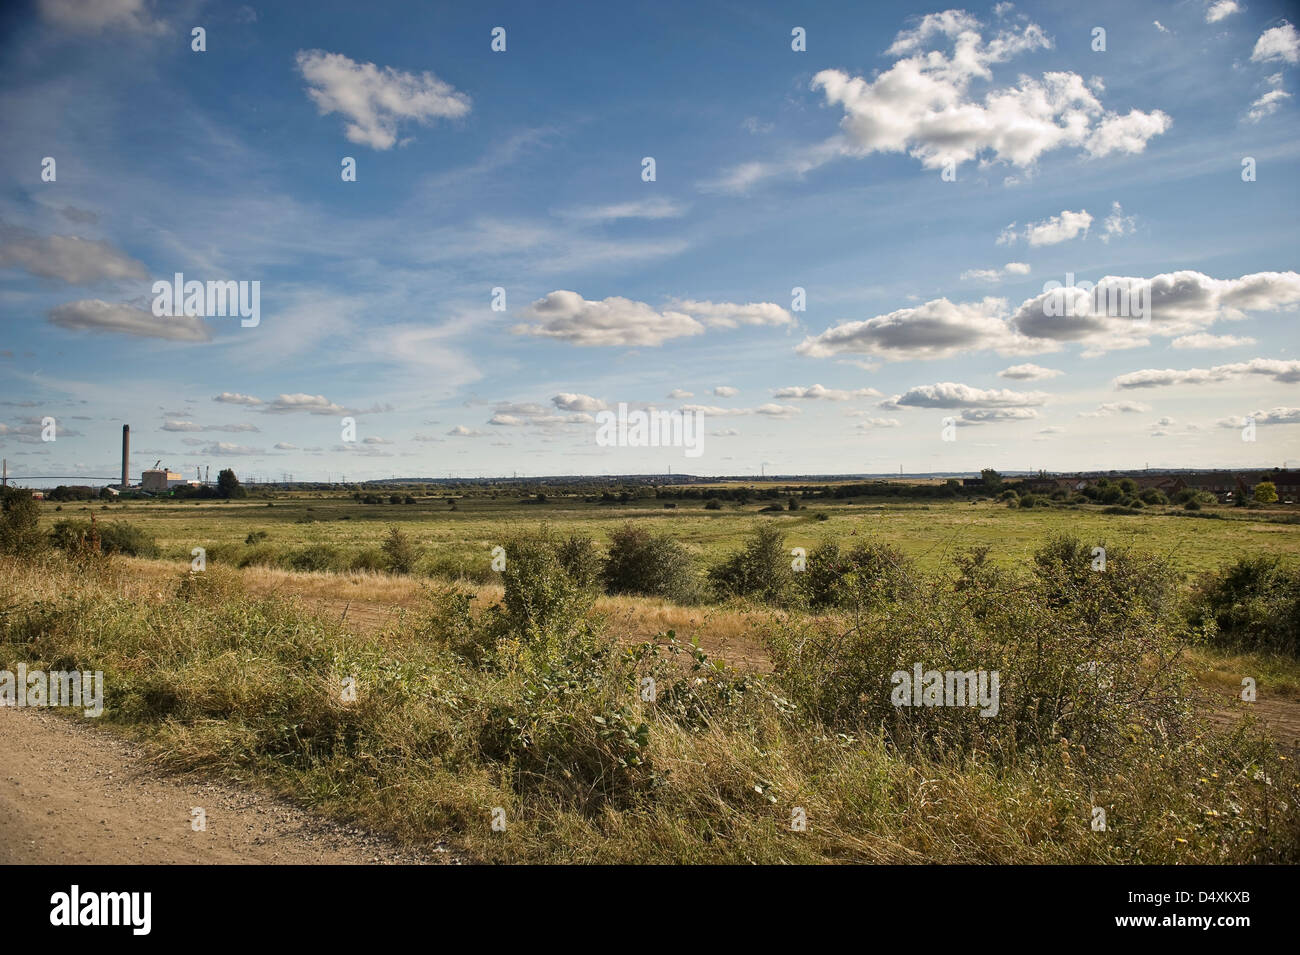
126 456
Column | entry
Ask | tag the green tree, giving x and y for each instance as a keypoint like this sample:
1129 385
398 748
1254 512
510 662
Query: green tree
1266 492
400 551
19 520
228 485
992 480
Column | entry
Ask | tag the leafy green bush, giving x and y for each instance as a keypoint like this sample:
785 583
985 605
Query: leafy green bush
759 570
1253 604
370 559
869 575
265 554
317 557
581 559
545 610
1083 656
114 537
1106 586
653 565
19 522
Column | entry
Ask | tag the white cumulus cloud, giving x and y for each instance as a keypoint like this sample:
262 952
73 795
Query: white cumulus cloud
375 100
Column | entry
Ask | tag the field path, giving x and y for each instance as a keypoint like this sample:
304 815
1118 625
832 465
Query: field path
73 794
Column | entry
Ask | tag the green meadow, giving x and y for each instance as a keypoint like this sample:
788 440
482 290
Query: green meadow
456 533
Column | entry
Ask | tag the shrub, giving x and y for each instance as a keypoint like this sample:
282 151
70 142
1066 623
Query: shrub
400 552
1253 604
19 522
114 537
582 560
369 559
759 570
1068 570
1082 656
639 562
119 537
822 582
455 566
870 575
316 557
713 505
264 555
544 608
1109 494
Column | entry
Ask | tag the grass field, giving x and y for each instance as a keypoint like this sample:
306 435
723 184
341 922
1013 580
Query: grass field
521 693
460 540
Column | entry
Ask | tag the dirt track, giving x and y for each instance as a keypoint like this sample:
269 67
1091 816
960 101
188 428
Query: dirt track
73 794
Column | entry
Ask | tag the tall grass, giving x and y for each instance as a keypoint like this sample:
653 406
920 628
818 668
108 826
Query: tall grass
522 705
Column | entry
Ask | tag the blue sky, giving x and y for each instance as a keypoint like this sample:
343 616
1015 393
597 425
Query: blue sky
822 169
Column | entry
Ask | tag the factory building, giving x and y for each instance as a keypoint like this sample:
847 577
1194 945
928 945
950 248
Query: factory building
154 480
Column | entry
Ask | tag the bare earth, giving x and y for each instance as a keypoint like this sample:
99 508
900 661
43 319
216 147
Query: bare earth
72 794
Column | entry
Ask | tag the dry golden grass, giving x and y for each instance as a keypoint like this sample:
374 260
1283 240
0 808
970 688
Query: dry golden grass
215 680
370 601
